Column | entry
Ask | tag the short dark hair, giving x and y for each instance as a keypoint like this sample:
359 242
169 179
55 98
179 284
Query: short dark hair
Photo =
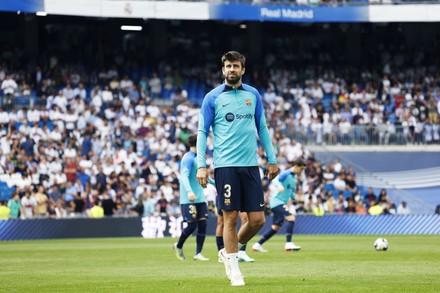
192 140
299 163
234 56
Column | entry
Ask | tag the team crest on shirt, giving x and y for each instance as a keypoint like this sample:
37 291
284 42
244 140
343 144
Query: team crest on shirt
227 201
248 102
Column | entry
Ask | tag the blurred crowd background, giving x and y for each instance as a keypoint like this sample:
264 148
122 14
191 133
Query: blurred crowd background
90 118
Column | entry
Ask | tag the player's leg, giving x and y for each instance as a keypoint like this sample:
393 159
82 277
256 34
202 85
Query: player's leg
228 187
231 248
242 255
202 215
258 246
219 234
230 239
277 222
252 202
290 219
201 235
178 247
219 228
187 211
251 228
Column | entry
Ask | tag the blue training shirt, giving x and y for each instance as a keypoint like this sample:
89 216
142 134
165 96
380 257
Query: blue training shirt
188 179
288 180
236 115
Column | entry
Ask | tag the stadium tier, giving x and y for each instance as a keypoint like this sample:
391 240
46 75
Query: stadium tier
95 115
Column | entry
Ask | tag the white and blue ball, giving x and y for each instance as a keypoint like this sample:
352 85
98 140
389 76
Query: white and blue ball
381 244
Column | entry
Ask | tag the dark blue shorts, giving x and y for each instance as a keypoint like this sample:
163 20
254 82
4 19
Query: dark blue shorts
194 211
239 189
279 213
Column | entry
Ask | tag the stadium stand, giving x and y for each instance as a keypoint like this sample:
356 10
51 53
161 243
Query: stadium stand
81 107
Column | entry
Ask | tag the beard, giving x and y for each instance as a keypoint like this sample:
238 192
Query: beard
233 80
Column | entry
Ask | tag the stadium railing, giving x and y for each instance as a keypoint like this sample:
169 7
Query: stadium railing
355 135
364 135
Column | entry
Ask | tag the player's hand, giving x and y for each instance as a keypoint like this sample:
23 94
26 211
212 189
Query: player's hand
272 171
281 189
202 176
191 196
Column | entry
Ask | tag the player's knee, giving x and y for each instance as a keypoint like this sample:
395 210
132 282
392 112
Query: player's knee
190 228
257 223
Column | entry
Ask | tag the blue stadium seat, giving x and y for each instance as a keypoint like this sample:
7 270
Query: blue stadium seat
347 194
50 125
5 191
335 192
328 187
17 124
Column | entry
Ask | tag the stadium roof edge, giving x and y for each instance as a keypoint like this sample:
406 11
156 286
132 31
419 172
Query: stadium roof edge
269 12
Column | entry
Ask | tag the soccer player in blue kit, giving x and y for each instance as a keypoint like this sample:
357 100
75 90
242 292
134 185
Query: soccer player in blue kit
286 185
235 112
192 203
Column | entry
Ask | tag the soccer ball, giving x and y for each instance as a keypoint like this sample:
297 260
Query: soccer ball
381 244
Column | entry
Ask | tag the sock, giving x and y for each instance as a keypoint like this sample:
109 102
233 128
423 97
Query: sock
289 231
186 233
201 234
233 261
267 236
240 246
220 243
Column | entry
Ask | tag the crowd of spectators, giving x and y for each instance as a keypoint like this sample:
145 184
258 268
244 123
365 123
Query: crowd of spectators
72 139
68 157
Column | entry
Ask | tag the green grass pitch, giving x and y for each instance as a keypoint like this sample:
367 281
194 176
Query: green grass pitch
325 264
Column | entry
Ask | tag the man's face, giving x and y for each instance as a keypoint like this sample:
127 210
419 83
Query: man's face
233 71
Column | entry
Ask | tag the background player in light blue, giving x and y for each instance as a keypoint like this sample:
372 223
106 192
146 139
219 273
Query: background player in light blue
286 184
192 202
236 114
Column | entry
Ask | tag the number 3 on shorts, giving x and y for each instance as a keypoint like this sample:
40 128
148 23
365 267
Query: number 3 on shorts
227 193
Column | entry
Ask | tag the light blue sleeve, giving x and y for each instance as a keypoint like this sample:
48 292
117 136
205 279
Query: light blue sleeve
210 180
206 117
284 175
185 170
263 131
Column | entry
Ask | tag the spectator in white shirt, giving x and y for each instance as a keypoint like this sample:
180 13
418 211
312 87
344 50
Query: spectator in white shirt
68 92
155 84
80 91
33 115
4 116
339 183
61 101
9 86
107 95
70 119
55 134
403 209
126 83
269 96
140 108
